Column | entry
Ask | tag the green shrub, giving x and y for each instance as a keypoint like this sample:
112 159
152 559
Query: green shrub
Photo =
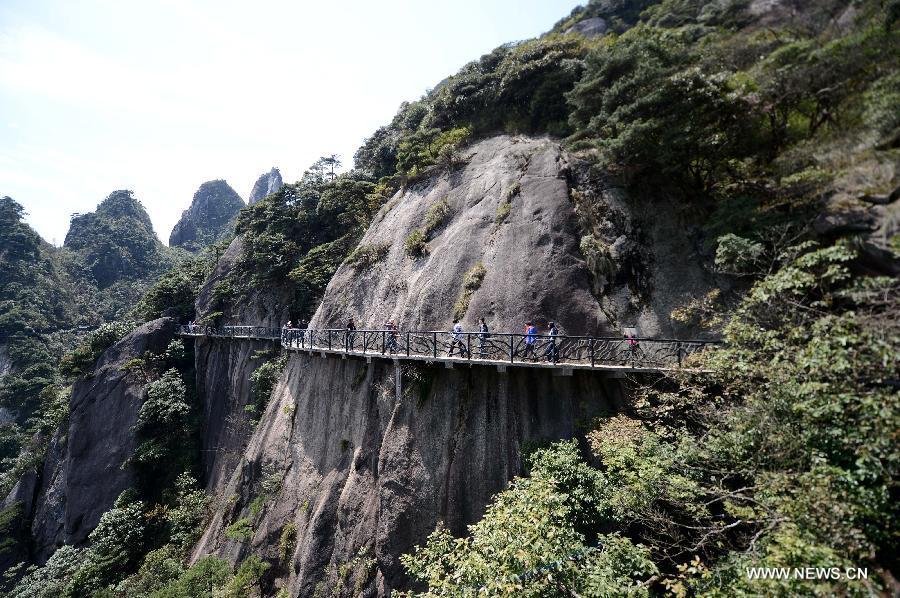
737 255
366 256
186 518
262 382
288 541
435 216
599 259
471 283
240 530
80 361
415 243
246 580
503 211
202 580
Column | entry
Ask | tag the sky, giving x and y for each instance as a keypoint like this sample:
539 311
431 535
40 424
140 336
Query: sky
158 97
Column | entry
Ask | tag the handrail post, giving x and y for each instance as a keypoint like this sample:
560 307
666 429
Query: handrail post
329 340
434 340
364 341
511 352
407 343
383 341
592 352
469 345
679 355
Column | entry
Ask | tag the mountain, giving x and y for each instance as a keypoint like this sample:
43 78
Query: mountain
266 184
694 169
210 217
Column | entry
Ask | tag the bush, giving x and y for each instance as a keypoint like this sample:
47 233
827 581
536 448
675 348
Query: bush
471 283
503 211
414 244
240 530
204 579
288 542
262 382
366 256
737 255
246 580
435 216
186 518
80 361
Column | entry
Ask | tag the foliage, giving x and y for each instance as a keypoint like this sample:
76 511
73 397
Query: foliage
414 244
738 255
204 579
240 530
115 547
246 580
471 283
79 362
287 543
365 257
174 293
599 260
780 455
517 87
642 103
503 211
189 513
547 515
166 430
429 147
262 382
437 213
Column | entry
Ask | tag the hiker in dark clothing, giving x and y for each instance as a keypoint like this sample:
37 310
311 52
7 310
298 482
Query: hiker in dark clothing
552 352
457 340
303 325
349 334
390 339
483 335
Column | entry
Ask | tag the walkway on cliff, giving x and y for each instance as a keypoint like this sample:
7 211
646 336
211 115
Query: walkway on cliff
496 349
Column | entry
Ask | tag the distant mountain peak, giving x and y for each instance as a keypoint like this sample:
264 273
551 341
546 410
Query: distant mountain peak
210 217
266 184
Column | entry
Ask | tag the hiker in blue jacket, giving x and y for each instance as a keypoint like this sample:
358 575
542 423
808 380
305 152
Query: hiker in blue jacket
530 332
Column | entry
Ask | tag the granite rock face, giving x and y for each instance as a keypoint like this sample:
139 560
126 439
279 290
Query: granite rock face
369 457
591 27
210 218
223 369
82 473
266 184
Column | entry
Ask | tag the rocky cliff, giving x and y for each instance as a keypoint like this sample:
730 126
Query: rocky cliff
210 217
223 372
83 471
360 461
266 184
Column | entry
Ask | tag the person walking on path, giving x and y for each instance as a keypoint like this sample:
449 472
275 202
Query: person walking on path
303 325
284 331
530 332
390 340
552 352
349 334
483 335
457 341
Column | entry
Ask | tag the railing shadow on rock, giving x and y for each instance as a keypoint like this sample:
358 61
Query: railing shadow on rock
495 347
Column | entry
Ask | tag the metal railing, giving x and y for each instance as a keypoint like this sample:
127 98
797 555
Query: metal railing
494 347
